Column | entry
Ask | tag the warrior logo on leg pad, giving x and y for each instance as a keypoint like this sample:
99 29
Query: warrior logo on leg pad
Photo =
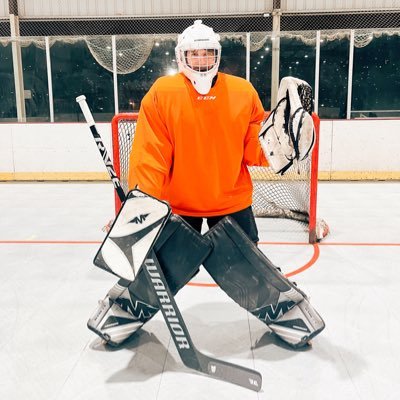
137 308
271 313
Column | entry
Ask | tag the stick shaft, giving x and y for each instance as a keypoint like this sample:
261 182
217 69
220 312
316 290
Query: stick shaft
81 100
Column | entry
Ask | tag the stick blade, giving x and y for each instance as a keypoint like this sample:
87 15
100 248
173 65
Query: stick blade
232 373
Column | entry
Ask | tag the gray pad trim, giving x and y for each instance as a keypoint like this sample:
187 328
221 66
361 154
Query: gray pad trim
247 275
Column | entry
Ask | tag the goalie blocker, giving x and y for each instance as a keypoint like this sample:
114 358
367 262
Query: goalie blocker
251 280
180 251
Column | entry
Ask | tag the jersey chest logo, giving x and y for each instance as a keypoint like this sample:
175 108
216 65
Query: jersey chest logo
205 98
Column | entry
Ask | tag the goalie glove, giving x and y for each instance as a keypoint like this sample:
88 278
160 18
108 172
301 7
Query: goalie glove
288 133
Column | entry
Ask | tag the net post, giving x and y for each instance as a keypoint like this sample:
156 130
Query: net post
312 224
120 149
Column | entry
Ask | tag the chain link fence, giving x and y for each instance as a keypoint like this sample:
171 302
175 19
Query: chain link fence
130 43
136 37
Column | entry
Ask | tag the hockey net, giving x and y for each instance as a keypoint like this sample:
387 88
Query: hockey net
292 196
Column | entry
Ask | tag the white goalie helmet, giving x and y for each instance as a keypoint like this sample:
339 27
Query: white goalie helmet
198 54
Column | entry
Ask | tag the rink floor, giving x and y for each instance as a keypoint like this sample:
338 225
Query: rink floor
50 232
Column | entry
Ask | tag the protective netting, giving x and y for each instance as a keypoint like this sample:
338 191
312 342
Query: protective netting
274 196
131 51
136 36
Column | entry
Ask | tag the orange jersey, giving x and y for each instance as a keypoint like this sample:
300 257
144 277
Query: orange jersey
193 150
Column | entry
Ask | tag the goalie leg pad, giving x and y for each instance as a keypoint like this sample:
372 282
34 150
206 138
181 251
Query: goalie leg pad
247 275
250 279
180 251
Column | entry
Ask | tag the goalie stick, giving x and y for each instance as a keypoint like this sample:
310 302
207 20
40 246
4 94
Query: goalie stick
188 353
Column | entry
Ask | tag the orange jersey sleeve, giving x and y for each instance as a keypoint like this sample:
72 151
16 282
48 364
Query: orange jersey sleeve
193 150
253 154
152 149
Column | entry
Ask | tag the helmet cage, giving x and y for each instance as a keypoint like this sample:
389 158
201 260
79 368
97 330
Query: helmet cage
201 60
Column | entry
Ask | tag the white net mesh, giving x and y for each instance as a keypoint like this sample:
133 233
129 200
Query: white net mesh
131 51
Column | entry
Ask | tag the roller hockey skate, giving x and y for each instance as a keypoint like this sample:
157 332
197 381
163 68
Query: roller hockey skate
115 320
299 325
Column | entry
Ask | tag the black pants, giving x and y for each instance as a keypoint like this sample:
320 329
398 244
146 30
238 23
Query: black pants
245 219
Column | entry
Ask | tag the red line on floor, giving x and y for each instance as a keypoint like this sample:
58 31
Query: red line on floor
201 284
50 242
260 243
357 244
331 243
311 262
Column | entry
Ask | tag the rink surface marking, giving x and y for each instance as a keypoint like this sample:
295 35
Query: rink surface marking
307 265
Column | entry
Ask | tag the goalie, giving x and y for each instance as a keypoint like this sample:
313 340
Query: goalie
197 132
